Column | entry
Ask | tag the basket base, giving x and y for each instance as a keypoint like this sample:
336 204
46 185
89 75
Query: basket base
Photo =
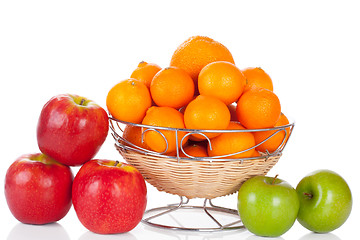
209 218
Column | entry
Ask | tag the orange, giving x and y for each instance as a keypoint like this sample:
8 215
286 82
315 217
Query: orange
191 136
198 51
273 143
194 150
222 80
171 154
145 72
232 142
172 87
163 117
206 112
129 100
258 108
257 77
133 135
256 154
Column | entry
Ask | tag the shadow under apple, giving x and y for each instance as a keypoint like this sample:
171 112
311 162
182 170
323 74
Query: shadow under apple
255 237
94 236
52 231
320 236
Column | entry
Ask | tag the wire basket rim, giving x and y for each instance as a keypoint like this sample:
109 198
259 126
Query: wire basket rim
291 124
223 158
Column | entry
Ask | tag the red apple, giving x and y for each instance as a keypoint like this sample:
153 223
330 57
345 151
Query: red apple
71 129
109 196
38 189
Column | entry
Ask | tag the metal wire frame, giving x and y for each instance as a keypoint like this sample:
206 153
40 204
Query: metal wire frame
115 125
184 205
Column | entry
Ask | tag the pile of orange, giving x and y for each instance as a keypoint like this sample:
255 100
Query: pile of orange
202 88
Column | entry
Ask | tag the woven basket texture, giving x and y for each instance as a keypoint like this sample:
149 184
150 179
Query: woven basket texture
196 178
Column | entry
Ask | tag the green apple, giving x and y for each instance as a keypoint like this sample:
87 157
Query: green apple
267 206
325 201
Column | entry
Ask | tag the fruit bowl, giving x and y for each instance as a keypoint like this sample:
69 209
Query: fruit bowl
196 177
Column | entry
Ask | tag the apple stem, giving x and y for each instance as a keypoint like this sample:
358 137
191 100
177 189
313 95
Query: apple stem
82 101
275 179
116 163
309 195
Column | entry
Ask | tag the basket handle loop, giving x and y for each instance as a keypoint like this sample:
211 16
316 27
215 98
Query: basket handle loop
152 129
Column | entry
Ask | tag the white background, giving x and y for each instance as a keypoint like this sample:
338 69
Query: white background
310 49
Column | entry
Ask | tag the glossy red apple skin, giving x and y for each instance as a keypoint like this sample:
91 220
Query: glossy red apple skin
38 189
71 131
109 197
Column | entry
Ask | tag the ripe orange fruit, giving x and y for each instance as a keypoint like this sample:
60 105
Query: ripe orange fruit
256 154
274 141
257 77
258 108
129 100
163 117
145 72
172 87
198 51
206 112
194 150
133 135
233 142
222 80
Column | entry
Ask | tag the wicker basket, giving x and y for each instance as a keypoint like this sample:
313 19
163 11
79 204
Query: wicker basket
194 177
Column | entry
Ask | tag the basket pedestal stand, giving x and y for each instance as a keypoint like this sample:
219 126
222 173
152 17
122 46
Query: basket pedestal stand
208 209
